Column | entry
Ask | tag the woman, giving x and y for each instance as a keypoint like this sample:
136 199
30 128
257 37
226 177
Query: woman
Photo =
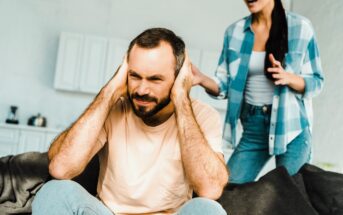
269 70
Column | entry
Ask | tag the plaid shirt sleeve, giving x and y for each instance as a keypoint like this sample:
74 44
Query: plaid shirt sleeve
222 73
314 81
311 70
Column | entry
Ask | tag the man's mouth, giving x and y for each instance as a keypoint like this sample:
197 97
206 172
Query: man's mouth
142 102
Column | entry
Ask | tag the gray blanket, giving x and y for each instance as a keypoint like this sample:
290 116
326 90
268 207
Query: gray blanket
21 176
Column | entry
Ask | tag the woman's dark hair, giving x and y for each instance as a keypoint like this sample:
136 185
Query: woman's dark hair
151 38
277 43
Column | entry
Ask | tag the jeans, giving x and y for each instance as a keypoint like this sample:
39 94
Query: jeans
252 152
68 197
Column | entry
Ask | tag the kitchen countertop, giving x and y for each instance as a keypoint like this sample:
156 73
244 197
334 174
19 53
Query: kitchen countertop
28 127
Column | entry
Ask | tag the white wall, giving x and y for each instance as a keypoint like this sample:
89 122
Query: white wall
326 17
29 33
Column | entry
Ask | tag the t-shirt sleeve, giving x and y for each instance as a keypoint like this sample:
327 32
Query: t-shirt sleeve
105 132
210 123
102 138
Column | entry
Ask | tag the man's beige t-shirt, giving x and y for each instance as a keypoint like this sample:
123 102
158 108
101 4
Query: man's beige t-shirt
141 169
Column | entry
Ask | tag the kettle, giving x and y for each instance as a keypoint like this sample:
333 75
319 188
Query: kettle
37 120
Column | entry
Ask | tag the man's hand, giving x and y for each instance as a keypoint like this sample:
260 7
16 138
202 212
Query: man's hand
204 168
184 80
282 77
119 80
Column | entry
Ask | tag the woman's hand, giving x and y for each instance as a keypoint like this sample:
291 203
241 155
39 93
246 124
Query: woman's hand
197 75
285 78
278 73
204 81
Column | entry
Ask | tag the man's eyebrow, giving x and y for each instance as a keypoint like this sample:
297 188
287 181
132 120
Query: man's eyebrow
131 72
156 77
153 77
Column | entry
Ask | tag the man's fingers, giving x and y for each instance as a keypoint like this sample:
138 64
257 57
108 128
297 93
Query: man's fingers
186 63
186 56
124 62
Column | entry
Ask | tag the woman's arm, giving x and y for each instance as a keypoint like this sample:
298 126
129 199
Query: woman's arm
206 82
282 77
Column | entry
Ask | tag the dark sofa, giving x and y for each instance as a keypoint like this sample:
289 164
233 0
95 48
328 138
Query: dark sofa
311 191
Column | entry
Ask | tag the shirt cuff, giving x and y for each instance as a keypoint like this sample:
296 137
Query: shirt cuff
222 93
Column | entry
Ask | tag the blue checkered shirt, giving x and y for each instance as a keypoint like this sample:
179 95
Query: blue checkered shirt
291 112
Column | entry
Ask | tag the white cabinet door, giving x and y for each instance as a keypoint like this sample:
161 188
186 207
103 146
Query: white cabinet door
8 141
31 141
116 51
93 64
68 61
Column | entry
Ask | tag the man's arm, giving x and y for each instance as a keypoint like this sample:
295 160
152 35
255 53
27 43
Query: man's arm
205 169
73 149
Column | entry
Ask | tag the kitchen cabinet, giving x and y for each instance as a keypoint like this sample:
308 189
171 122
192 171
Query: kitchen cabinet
31 141
81 63
93 64
16 139
8 140
68 61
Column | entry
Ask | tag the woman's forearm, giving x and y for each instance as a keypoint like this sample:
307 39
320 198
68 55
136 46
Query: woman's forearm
209 85
297 83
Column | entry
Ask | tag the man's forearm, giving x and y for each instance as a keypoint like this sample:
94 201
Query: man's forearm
204 168
56 145
72 150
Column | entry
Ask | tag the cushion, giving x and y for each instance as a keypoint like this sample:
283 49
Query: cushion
275 193
324 188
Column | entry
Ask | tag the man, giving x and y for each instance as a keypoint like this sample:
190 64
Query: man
155 145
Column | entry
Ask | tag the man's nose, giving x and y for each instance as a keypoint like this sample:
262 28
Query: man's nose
143 88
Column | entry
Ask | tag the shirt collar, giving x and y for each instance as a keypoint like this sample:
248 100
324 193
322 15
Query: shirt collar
247 25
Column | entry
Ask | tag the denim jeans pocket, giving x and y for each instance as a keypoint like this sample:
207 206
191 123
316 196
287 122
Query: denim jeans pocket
244 114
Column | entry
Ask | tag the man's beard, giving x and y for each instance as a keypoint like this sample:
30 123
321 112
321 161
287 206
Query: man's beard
141 110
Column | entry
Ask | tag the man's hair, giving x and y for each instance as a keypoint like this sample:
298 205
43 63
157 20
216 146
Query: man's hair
151 38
